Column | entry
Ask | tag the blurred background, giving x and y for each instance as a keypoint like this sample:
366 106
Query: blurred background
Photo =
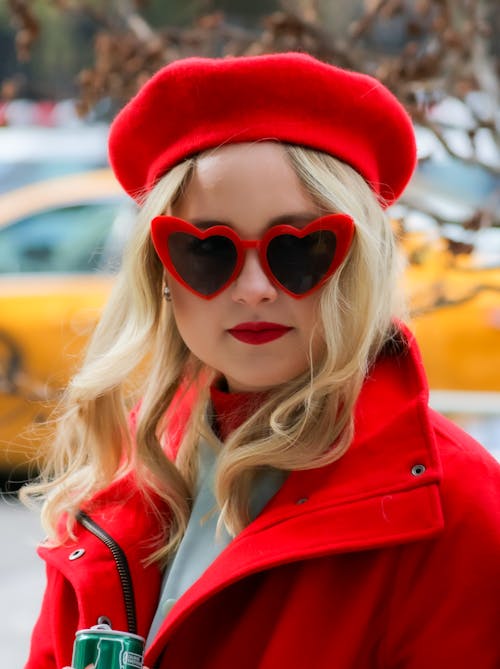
67 66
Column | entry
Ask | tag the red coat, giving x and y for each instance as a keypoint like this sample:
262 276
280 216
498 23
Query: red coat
387 559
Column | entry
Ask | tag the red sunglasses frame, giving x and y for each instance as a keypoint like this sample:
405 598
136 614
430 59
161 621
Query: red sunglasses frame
340 224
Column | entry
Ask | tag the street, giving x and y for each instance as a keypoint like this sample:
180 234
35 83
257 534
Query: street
22 580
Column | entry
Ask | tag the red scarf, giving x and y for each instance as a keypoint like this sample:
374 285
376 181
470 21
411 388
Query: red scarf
232 409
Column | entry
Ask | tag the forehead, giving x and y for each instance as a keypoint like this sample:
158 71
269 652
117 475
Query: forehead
242 183
252 160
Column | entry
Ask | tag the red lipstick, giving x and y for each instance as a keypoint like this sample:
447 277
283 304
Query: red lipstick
259 332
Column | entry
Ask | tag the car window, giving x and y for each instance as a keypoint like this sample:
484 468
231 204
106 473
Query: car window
17 174
62 240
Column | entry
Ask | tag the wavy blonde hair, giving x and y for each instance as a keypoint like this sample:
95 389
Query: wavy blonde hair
137 352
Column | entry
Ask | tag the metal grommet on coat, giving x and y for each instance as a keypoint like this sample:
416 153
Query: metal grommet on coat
76 554
302 500
418 470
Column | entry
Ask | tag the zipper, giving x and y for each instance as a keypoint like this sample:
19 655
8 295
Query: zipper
121 564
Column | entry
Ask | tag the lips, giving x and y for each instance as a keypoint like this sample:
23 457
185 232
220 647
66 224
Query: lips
259 332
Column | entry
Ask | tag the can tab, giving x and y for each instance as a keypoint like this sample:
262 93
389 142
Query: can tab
103 627
104 620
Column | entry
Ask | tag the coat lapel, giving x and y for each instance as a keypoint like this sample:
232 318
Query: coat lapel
383 491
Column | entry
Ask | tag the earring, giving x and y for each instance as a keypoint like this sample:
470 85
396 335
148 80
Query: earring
166 294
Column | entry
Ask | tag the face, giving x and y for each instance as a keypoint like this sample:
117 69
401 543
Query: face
253 333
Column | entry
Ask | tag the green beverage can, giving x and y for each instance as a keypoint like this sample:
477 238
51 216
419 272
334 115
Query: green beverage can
106 648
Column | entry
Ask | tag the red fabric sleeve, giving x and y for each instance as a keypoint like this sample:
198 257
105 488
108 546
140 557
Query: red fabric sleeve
42 647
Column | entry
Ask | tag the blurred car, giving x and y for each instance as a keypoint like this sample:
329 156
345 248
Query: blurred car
453 289
29 154
61 241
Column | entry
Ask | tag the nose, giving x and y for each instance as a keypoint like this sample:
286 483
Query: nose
252 286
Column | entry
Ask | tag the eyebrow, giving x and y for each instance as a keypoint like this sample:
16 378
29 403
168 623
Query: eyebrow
296 219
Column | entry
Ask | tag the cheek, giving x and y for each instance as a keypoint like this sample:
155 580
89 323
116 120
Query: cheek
187 309
307 313
195 318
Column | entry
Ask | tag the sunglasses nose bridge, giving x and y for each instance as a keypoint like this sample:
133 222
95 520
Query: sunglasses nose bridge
250 243
246 245
255 267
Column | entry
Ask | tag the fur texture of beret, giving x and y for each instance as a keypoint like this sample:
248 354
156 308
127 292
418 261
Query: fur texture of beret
200 103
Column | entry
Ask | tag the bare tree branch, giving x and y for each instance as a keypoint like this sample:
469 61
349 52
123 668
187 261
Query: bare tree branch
426 122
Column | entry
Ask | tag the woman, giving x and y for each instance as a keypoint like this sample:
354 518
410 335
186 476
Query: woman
281 495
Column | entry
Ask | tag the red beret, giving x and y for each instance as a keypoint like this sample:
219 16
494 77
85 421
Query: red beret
200 103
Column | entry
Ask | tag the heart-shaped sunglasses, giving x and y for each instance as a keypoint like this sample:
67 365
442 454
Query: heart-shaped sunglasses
297 260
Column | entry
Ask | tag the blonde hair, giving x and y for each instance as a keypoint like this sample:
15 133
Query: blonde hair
137 352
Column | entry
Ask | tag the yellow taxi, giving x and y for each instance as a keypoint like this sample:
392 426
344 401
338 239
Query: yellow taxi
454 299
61 242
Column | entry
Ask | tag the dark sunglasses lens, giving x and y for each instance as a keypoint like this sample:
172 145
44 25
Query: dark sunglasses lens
300 263
204 264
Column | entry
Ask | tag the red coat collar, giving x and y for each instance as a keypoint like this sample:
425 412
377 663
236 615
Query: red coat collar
374 496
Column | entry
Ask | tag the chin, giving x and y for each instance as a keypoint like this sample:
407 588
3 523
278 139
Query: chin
258 383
